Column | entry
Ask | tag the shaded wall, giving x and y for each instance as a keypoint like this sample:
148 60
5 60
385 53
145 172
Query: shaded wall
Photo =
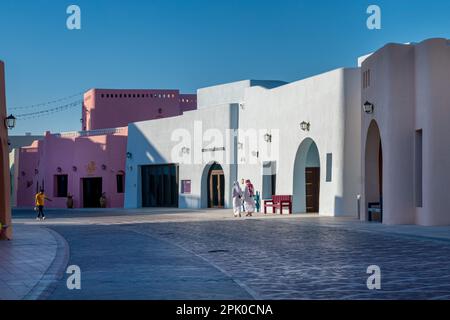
5 209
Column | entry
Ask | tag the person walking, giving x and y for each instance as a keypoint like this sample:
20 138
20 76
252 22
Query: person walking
237 199
249 200
40 202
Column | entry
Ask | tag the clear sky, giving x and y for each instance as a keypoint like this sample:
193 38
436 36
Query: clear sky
188 44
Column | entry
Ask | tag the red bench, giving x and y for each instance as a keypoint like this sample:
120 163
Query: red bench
278 202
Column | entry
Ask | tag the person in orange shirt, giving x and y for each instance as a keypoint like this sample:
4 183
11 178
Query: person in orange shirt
40 202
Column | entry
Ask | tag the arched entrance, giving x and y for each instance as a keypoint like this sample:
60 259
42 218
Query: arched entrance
306 185
213 186
373 185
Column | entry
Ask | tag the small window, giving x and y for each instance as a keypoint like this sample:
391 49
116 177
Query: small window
120 183
102 95
160 110
61 182
329 175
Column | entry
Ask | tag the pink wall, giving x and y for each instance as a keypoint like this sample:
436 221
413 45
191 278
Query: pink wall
27 159
78 157
106 108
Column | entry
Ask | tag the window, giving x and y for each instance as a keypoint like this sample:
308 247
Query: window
120 183
103 95
61 182
329 167
366 79
418 165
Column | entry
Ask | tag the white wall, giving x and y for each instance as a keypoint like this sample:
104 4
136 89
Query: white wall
333 109
150 142
330 102
409 88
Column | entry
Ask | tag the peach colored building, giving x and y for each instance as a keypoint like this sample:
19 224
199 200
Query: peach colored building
91 162
109 108
5 210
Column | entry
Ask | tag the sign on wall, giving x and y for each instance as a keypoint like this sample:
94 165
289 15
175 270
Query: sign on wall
186 186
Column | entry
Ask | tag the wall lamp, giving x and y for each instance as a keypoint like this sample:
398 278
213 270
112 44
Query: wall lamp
185 150
305 126
10 122
268 137
129 155
368 107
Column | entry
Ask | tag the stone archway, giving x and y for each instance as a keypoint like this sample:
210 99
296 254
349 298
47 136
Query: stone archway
373 182
306 184
213 186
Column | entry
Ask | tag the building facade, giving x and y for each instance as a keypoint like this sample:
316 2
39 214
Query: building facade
86 164
252 130
5 209
405 133
111 108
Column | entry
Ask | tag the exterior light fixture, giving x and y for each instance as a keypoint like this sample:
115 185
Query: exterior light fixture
10 122
36 171
185 150
240 145
59 169
268 137
368 107
129 155
103 167
74 169
305 126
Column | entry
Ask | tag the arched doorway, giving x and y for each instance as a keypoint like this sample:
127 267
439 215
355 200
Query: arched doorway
306 185
373 185
213 186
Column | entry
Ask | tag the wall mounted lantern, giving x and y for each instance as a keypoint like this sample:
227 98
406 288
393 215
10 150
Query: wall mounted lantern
240 145
305 126
185 150
59 169
74 169
103 167
36 171
10 122
268 137
368 107
129 155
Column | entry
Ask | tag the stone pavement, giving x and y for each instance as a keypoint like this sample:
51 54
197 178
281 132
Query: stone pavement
208 254
31 262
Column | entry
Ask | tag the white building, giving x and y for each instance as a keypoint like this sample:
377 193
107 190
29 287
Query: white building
252 130
378 133
405 150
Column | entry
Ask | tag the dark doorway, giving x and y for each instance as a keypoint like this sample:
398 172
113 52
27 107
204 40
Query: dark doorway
160 185
374 174
216 187
92 191
312 180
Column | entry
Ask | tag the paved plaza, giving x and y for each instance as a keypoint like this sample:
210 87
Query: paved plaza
181 254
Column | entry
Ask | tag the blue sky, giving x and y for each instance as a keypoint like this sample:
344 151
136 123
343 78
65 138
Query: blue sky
188 44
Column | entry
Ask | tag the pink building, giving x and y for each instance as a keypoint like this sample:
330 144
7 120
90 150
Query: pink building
104 108
88 163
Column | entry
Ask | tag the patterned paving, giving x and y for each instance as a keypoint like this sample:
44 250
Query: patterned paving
210 255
